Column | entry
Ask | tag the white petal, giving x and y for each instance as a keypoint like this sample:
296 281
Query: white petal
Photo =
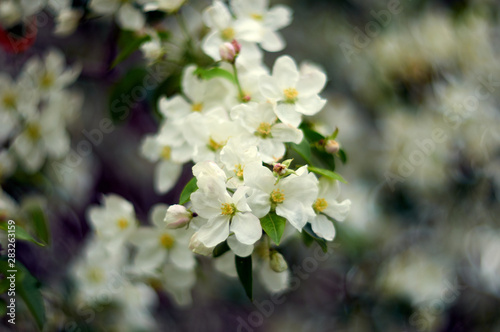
288 114
273 281
271 150
294 212
310 105
285 72
286 133
240 249
166 175
259 202
130 18
215 231
181 256
323 227
311 83
278 17
269 88
338 211
246 228
272 41
259 177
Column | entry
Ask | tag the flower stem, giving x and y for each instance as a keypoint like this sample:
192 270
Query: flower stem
240 90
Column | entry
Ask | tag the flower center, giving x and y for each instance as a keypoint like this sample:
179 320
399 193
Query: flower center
95 275
167 241
214 146
320 205
47 80
166 152
264 130
34 132
9 100
290 95
257 16
238 170
227 209
227 34
277 196
122 223
197 107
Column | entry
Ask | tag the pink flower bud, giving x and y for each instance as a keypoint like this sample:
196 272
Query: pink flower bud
236 45
280 169
177 216
228 52
332 146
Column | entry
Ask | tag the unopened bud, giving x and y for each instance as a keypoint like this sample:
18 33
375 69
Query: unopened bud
277 262
332 146
279 169
227 52
196 246
177 216
236 45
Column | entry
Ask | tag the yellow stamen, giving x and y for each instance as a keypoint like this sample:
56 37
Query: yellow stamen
238 170
34 131
95 275
166 152
122 223
167 241
215 146
277 196
227 209
320 205
290 95
264 130
227 34
197 107
9 100
257 17
47 80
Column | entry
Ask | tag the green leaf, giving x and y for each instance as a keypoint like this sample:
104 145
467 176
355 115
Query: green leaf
244 269
3 308
307 239
208 74
21 234
220 249
311 134
27 288
121 98
303 149
39 223
130 48
190 188
274 226
327 173
342 156
322 242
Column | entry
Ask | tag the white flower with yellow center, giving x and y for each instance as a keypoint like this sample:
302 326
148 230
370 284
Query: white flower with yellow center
43 136
128 16
295 93
269 21
156 245
326 204
114 222
170 151
264 131
235 156
224 28
50 75
291 197
98 271
225 213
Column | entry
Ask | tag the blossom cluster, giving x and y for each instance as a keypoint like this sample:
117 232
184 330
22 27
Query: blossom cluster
35 109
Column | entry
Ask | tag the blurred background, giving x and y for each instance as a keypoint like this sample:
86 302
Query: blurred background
413 87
